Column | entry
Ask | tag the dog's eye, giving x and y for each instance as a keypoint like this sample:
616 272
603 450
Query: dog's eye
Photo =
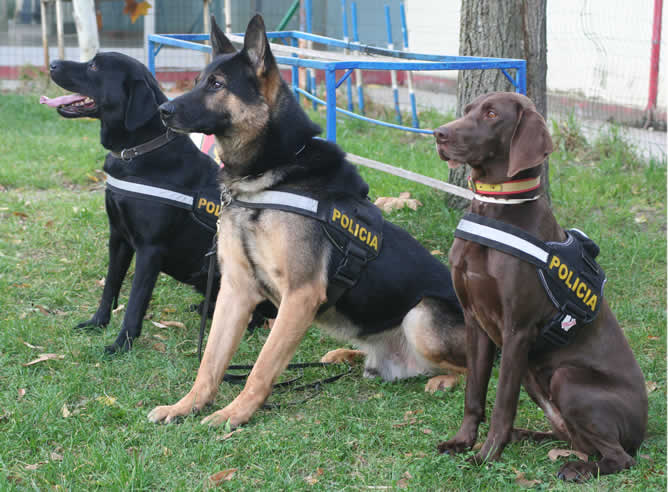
92 66
215 83
491 114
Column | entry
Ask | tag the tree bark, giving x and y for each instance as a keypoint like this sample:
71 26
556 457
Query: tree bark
86 23
505 29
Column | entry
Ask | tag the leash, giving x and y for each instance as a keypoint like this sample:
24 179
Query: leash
317 385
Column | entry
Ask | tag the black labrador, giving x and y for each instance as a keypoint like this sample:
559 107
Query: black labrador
121 92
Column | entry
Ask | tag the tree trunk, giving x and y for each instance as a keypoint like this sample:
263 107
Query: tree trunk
86 23
505 29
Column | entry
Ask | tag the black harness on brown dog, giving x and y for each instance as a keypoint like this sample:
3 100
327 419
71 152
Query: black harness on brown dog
568 272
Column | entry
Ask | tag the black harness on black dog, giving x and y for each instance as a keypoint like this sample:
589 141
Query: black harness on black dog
568 272
204 204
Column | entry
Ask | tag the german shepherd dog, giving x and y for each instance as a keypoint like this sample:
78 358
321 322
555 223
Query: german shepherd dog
402 311
121 92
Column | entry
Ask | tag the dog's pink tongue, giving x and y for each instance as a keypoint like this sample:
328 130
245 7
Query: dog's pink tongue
59 101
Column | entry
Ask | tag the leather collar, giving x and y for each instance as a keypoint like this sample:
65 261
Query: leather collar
145 148
504 189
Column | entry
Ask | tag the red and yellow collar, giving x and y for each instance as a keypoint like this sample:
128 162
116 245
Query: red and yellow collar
504 189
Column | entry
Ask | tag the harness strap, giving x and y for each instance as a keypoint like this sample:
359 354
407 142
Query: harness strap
145 148
504 237
170 197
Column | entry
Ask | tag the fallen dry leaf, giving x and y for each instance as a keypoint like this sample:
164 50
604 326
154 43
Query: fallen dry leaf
436 252
169 310
30 345
158 324
555 453
640 219
402 483
389 204
651 386
65 411
21 214
101 282
36 465
175 324
160 336
522 481
42 309
56 457
22 393
229 434
222 476
106 400
313 478
44 357
652 337
160 347
118 309
427 431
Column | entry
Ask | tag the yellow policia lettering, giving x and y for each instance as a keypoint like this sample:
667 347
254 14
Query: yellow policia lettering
357 231
212 208
581 289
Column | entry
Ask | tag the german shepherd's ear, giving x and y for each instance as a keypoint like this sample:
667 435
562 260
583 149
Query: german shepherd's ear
219 42
257 48
531 142
142 105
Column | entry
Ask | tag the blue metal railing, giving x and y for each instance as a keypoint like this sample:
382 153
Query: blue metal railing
404 61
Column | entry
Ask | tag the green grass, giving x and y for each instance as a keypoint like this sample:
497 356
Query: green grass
351 435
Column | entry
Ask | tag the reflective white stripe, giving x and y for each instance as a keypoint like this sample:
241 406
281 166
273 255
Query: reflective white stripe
282 198
150 190
503 237
504 201
198 139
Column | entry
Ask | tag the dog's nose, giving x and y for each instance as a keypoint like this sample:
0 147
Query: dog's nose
55 65
441 134
167 110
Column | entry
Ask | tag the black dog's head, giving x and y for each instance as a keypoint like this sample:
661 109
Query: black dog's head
241 98
112 87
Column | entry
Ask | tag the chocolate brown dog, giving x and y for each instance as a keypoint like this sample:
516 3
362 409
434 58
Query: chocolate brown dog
591 389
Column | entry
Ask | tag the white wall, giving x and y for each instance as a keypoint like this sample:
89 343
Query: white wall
597 48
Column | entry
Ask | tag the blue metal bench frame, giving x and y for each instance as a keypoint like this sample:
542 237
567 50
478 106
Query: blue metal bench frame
405 61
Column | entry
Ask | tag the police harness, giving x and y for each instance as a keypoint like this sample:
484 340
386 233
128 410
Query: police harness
571 277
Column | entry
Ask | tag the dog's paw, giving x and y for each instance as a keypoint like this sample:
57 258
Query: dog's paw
117 348
453 446
339 356
92 324
221 417
444 382
576 471
167 414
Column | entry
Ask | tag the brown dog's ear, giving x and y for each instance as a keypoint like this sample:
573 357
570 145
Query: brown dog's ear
256 46
219 42
531 143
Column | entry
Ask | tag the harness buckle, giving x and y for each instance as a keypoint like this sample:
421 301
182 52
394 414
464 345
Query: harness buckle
127 157
354 261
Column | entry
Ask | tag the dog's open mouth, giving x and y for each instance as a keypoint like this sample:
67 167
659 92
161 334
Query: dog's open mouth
71 106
